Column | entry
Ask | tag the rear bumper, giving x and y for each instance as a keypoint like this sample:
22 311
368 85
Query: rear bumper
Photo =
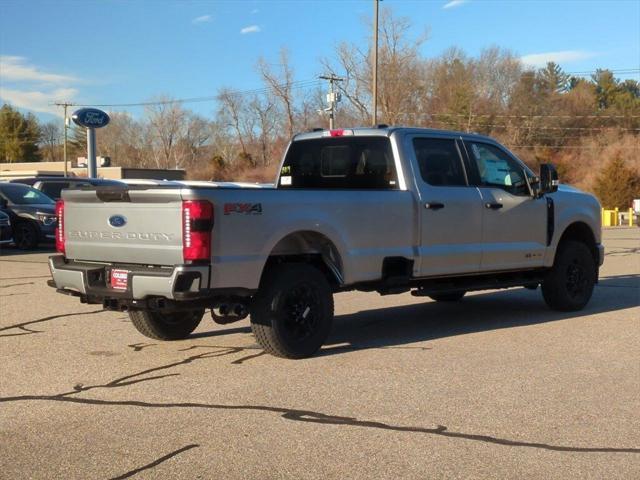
91 280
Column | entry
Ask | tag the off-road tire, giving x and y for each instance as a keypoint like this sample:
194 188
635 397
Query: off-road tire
278 319
569 284
448 297
166 326
25 235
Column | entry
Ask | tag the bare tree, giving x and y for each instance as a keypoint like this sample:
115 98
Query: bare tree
165 128
281 86
196 135
263 108
50 136
400 71
232 110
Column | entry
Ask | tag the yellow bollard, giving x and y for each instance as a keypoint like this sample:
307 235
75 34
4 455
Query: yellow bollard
631 217
617 220
610 218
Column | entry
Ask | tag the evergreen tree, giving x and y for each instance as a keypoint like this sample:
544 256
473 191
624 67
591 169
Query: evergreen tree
553 79
19 136
606 87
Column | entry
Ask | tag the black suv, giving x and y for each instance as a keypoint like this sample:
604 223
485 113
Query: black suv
32 214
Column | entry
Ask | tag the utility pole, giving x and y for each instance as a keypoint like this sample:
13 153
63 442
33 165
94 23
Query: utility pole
333 97
374 114
65 126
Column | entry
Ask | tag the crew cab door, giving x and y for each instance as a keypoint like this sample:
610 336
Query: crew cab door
450 210
514 224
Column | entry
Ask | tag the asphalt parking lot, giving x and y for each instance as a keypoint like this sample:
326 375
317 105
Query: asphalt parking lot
496 386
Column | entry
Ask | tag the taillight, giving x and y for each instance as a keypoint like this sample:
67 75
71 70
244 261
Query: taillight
197 222
60 244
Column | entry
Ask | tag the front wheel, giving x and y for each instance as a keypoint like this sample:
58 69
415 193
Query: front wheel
166 326
291 315
569 284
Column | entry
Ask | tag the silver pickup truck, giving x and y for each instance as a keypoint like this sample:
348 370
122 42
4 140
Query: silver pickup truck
384 209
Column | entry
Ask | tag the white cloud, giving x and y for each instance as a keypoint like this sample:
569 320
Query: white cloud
454 3
564 56
14 68
27 86
38 101
250 29
202 19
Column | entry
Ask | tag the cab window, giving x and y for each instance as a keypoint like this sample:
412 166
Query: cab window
439 162
496 168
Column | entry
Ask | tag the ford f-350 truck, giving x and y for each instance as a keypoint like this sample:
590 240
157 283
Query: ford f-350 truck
385 209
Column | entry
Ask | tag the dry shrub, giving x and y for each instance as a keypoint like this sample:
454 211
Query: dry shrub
581 166
234 173
581 163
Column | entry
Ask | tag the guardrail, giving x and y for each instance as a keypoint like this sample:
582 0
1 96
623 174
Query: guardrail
617 218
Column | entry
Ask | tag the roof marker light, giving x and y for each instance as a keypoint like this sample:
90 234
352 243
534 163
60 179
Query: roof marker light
340 132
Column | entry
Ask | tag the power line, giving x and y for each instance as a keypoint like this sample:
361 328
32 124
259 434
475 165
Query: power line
256 91
489 115
619 71
518 127
293 85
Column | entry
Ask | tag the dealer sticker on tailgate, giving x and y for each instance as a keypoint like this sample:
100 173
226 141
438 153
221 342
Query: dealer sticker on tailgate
119 279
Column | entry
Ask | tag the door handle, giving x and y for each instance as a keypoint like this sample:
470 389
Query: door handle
493 206
433 205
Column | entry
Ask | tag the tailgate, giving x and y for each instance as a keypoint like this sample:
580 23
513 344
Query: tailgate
124 225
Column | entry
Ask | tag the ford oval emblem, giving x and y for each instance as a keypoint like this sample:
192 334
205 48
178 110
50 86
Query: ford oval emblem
90 118
117 221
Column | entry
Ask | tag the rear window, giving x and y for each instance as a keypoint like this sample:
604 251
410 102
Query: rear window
340 163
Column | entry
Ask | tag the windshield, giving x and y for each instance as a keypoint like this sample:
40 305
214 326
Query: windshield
23 195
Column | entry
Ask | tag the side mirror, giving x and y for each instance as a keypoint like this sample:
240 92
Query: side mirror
548 179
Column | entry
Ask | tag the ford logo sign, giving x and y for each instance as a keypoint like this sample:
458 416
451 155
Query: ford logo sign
90 118
117 221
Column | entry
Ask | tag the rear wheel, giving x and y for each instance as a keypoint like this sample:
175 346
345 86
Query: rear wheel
569 284
166 326
291 315
447 297
25 235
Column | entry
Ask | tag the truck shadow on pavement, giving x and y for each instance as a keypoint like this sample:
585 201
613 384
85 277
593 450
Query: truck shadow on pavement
396 327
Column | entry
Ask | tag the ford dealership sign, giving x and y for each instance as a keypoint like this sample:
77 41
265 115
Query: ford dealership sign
90 118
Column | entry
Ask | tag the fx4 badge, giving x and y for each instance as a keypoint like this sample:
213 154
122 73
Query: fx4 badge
243 208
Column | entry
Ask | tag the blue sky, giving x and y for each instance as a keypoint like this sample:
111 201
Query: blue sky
117 51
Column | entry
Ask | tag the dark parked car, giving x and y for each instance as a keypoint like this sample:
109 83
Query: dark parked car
52 186
32 214
6 235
